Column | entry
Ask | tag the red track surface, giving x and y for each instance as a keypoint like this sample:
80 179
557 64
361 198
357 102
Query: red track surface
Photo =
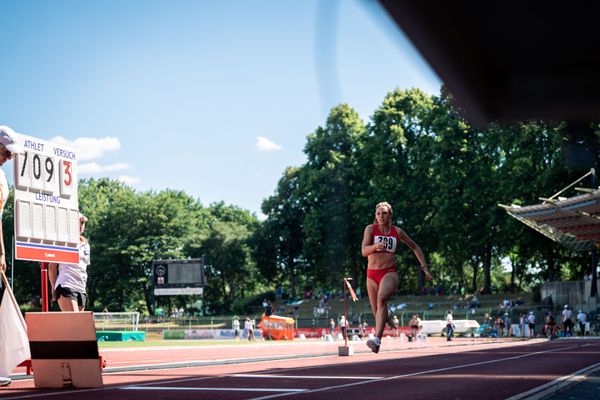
468 369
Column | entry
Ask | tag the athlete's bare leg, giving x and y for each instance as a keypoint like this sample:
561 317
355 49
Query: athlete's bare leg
67 304
379 295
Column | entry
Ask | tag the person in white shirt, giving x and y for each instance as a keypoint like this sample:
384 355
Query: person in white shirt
343 327
10 144
249 328
449 326
531 324
68 281
235 325
582 320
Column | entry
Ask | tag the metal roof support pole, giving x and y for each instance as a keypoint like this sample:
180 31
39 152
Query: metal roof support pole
594 283
591 172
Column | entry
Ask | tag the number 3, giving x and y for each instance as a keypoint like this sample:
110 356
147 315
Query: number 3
69 179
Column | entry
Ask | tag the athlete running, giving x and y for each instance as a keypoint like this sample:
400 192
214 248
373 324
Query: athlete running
379 244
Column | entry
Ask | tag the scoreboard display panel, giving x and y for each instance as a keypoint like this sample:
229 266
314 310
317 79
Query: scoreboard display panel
46 205
178 277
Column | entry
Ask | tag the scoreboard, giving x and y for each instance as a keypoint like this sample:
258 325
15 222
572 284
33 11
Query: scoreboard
46 205
178 277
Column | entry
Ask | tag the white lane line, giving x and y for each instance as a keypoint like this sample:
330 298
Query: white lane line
560 383
211 389
418 373
306 376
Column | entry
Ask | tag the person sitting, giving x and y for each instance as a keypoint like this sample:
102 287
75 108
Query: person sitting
500 324
550 327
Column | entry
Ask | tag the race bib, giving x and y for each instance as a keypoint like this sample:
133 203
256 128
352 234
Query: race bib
389 241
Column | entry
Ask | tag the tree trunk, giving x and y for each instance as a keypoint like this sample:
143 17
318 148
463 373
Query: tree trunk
148 299
293 279
224 288
487 267
551 262
513 276
474 281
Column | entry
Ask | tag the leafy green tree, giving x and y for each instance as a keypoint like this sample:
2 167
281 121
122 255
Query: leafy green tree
395 164
279 241
227 245
331 245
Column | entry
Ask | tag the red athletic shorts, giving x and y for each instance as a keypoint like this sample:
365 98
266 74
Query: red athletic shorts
377 274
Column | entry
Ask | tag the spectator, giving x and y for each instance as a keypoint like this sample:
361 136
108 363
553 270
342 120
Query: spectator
235 325
486 318
449 326
507 324
522 319
343 324
567 314
249 328
414 326
550 327
396 325
10 144
582 320
531 323
331 326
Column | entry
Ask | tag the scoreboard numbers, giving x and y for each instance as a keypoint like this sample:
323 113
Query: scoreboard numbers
46 205
66 178
23 174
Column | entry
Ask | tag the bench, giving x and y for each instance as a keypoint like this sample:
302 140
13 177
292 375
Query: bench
461 326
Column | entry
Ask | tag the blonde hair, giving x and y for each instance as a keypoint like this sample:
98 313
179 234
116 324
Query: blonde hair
383 204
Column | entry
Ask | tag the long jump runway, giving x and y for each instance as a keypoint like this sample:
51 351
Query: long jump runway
462 369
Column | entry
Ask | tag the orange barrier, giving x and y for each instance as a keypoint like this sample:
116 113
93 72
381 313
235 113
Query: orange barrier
275 327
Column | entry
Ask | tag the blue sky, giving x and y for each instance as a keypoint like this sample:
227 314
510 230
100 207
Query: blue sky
212 98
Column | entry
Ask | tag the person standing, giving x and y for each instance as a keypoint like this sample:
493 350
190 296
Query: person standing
68 281
567 314
522 325
235 325
449 326
582 320
344 327
379 245
396 326
414 327
531 323
249 327
331 326
10 144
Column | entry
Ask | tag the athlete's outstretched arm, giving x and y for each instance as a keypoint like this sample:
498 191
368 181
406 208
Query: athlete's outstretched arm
417 250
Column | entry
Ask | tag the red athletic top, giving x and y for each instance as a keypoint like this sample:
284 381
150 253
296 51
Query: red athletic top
390 239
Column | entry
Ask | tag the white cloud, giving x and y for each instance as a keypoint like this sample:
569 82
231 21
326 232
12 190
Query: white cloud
129 180
265 144
90 148
95 168
260 216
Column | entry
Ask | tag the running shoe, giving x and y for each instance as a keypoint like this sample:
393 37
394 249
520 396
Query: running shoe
374 344
5 381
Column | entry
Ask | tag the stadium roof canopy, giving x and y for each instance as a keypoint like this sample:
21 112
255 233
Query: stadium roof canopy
510 60
573 222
